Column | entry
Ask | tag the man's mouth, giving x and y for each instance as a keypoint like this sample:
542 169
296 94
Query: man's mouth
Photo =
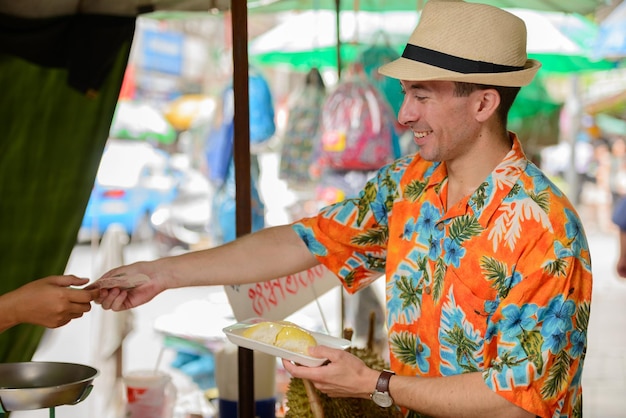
421 134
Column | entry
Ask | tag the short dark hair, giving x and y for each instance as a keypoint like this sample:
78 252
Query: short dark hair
507 96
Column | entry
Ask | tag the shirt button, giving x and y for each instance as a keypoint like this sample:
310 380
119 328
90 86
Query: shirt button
440 226
427 290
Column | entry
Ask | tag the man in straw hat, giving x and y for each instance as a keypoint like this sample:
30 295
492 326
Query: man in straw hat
487 268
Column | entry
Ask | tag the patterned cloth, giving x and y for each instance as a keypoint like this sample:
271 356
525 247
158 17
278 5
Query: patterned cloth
301 136
499 283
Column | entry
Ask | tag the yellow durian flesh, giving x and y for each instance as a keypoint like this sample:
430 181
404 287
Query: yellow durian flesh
295 339
264 332
281 334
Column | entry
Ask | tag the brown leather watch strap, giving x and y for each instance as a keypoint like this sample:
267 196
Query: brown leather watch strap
382 385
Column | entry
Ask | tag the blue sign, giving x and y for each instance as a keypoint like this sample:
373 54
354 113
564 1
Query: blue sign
163 52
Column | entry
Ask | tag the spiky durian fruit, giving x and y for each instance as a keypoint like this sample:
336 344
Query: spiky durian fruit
299 402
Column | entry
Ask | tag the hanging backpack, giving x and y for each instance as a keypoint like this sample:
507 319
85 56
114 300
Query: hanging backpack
262 124
219 145
357 127
301 135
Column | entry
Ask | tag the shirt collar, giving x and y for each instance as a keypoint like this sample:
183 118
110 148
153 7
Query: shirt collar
487 198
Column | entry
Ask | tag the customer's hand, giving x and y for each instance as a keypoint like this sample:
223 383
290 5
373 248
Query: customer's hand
50 301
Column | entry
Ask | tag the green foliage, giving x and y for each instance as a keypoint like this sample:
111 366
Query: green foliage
542 199
438 279
414 190
556 267
373 236
531 343
464 228
403 347
409 294
558 375
496 272
465 348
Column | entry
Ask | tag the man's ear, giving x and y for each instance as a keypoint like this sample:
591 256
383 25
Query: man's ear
488 101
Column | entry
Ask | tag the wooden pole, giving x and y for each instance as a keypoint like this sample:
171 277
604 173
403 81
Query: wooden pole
239 29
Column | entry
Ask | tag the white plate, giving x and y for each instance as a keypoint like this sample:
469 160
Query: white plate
234 331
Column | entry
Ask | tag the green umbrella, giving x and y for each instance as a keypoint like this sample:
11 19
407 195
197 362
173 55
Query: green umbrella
560 41
309 39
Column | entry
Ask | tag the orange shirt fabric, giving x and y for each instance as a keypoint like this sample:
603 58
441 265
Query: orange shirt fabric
499 283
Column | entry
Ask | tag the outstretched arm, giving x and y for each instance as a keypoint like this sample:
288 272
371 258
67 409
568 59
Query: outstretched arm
50 302
267 254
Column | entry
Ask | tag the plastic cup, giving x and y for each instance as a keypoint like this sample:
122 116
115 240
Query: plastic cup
149 394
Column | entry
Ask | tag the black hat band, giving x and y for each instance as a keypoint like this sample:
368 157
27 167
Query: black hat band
452 63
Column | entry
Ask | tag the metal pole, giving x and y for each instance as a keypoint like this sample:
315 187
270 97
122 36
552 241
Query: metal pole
239 29
338 27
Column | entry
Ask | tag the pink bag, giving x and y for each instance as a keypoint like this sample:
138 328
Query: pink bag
357 127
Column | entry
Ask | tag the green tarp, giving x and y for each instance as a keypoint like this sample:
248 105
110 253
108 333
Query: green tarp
56 108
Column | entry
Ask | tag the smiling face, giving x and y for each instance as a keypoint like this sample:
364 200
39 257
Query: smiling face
445 125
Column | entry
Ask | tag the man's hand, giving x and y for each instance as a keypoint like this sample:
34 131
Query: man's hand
121 298
344 376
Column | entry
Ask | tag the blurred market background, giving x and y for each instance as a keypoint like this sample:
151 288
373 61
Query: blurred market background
116 122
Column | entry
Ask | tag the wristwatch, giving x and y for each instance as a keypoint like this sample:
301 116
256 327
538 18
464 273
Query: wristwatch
381 395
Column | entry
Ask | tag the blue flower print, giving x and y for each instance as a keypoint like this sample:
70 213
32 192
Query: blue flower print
434 248
562 252
453 252
573 228
306 234
557 316
574 231
513 279
422 354
409 229
579 341
491 306
517 320
541 181
427 220
492 330
379 211
555 342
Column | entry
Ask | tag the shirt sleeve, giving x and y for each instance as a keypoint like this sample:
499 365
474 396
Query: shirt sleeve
537 336
350 237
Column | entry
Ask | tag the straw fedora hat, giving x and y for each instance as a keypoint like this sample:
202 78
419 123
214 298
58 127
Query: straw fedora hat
468 42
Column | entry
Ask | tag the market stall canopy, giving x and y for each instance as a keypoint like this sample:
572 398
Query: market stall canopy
569 6
611 40
562 42
46 8
309 38
302 40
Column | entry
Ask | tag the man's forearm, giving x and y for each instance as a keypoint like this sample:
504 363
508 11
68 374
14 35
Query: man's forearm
464 395
267 254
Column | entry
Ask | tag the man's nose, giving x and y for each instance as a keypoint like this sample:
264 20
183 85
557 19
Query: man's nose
407 113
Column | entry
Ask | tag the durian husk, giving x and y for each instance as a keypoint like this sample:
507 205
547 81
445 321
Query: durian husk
299 406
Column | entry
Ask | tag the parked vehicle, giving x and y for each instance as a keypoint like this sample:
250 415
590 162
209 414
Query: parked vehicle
183 223
133 179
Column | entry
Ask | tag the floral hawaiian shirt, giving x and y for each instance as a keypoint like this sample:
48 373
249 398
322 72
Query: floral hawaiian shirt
499 283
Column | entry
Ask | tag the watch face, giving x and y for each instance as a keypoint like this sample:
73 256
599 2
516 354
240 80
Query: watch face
382 399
